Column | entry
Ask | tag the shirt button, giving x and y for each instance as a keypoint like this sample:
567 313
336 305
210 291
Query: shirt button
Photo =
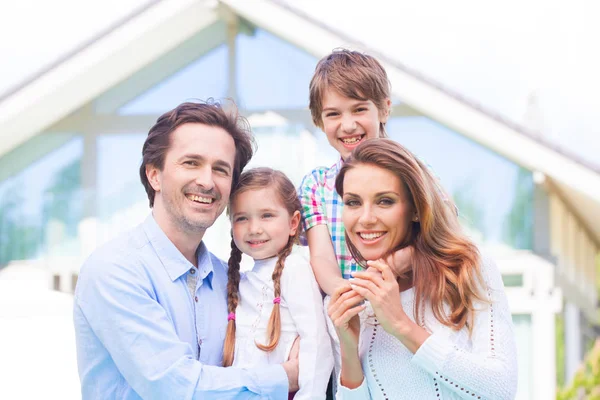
192 271
196 299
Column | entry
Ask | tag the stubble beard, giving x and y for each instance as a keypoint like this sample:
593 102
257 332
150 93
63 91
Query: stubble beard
186 224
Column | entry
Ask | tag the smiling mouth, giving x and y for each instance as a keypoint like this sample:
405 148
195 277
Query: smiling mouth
370 236
352 140
256 243
200 199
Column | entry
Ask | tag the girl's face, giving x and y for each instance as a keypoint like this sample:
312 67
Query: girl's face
347 122
377 213
261 225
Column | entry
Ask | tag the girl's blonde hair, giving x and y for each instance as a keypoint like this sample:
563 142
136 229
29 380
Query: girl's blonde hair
254 179
354 75
446 263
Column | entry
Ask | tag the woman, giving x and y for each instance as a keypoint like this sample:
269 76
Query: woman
440 330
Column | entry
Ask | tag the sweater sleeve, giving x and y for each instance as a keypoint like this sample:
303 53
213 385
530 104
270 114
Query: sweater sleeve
359 393
489 369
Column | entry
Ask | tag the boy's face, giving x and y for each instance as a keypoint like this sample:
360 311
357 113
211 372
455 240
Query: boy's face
347 122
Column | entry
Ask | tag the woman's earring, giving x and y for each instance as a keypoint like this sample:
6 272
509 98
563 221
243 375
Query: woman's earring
416 218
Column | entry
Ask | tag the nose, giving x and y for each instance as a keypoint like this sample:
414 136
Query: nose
255 226
348 123
367 217
204 178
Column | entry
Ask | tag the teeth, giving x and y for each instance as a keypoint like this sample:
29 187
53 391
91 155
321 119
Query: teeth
352 140
370 236
199 199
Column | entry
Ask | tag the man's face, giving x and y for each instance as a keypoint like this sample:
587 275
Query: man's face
193 187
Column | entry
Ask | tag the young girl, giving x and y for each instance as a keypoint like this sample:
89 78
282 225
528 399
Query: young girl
279 299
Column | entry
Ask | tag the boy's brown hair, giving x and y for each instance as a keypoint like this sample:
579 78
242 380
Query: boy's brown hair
352 74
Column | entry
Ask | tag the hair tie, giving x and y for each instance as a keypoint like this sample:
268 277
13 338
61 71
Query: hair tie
277 300
231 317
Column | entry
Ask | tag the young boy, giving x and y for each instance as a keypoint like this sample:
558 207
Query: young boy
350 101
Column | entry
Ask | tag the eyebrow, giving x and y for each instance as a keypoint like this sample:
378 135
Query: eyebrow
360 103
198 157
261 210
379 194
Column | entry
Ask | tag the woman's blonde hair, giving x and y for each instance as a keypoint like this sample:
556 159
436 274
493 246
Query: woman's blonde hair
446 263
254 179
354 75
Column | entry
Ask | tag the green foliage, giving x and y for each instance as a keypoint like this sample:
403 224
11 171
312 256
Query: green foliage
23 237
61 200
586 383
19 239
518 227
560 349
470 211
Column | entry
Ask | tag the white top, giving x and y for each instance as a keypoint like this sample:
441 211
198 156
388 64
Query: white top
301 314
449 364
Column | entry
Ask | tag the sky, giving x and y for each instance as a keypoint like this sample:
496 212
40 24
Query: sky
497 53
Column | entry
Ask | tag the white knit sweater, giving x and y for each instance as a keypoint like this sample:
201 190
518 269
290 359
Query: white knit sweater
449 364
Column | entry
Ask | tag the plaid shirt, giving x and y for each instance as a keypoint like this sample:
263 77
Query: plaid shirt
321 205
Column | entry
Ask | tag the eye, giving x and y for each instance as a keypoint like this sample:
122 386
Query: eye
331 114
191 163
222 171
386 201
361 109
239 219
352 203
268 215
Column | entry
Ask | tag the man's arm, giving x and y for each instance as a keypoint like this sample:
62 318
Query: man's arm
118 304
323 261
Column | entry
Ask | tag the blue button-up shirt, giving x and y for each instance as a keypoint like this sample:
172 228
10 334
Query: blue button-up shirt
143 333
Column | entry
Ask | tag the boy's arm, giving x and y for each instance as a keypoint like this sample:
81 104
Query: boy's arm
323 261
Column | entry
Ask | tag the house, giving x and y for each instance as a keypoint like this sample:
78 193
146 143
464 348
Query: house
72 136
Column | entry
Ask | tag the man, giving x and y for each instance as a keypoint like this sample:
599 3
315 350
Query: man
150 307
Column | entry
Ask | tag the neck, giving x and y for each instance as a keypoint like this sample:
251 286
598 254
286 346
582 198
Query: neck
186 242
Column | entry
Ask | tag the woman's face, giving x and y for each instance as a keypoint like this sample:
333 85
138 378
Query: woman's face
377 213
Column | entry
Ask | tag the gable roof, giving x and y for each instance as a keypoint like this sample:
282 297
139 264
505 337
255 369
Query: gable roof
576 180
106 60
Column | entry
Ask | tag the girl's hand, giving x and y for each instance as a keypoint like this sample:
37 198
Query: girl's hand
378 285
343 310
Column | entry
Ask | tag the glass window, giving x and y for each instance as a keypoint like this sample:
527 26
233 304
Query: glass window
40 207
271 73
204 78
494 195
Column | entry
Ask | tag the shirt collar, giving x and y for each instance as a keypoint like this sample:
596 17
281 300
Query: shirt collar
174 262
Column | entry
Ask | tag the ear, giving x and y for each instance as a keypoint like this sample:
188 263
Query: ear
152 173
387 111
294 223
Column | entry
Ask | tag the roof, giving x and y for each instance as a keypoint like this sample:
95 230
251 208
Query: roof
577 180
105 60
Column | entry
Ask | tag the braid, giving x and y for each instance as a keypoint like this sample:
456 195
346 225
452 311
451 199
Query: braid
274 327
233 283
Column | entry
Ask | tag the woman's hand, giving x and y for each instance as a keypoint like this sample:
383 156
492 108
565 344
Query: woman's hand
343 310
378 285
